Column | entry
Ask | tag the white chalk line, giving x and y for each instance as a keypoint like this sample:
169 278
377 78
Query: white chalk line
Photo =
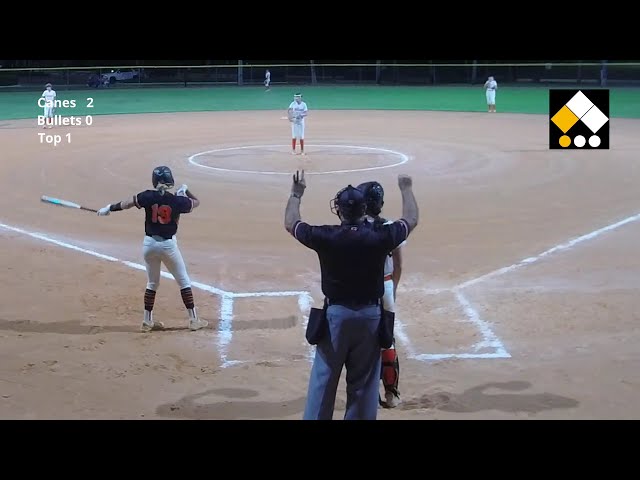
401 334
558 248
225 330
225 326
489 339
425 357
404 159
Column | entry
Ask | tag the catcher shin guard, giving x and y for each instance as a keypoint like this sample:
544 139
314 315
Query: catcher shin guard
390 372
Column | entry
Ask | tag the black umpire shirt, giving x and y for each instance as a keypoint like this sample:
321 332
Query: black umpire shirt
352 256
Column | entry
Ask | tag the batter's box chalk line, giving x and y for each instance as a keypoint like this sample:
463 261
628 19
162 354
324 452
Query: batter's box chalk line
489 341
225 326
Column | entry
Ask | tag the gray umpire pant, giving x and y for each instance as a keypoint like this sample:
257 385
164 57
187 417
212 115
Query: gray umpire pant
352 342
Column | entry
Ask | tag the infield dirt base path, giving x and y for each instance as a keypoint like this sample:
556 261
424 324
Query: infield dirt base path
491 194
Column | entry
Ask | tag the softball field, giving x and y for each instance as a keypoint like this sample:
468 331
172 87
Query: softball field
519 297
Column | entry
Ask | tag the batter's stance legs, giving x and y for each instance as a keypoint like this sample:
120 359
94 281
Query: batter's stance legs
175 264
152 263
155 253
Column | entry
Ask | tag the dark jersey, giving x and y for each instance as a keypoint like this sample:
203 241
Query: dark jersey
162 211
352 256
379 221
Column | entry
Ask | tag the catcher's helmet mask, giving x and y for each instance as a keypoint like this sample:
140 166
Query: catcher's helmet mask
374 197
162 178
349 204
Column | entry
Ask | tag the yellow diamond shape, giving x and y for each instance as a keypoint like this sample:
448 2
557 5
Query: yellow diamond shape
564 119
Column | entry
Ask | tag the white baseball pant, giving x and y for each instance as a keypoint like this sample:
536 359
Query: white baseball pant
297 130
491 97
48 112
157 251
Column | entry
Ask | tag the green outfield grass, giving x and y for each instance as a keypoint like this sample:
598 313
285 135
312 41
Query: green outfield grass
625 102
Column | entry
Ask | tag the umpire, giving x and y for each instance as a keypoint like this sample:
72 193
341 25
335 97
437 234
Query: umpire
352 257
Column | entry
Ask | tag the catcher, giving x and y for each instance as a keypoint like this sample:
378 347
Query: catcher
390 373
162 213
297 112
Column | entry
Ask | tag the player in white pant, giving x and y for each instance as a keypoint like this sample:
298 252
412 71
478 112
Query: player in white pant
374 195
158 250
297 112
491 86
162 214
267 80
49 96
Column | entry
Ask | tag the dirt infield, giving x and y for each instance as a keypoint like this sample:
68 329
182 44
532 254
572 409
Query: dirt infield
499 317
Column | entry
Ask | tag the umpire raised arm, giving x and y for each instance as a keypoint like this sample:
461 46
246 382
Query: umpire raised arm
352 257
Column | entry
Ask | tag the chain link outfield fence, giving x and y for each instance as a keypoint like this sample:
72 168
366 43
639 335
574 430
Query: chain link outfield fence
25 74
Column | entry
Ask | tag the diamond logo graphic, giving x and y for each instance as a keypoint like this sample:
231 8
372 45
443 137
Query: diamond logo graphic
579 119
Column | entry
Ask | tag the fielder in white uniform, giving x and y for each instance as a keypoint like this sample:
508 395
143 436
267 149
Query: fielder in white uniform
390 374
162 214
491 86
49 96
267 80
297 112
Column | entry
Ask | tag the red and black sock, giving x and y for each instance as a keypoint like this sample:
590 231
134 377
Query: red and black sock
187 298
293 143
302 144
149 299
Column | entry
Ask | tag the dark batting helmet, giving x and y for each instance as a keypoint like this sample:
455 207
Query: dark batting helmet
374 197
162 178
349 203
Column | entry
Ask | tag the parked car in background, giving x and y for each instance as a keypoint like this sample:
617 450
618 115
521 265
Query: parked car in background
120 75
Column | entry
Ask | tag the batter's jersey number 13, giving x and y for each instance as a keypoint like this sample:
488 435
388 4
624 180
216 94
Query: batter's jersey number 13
161 214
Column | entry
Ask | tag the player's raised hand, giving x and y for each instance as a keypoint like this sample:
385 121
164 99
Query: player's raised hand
404 181
298 184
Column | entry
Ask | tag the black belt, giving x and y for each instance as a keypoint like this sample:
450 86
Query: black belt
352 302
156 237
